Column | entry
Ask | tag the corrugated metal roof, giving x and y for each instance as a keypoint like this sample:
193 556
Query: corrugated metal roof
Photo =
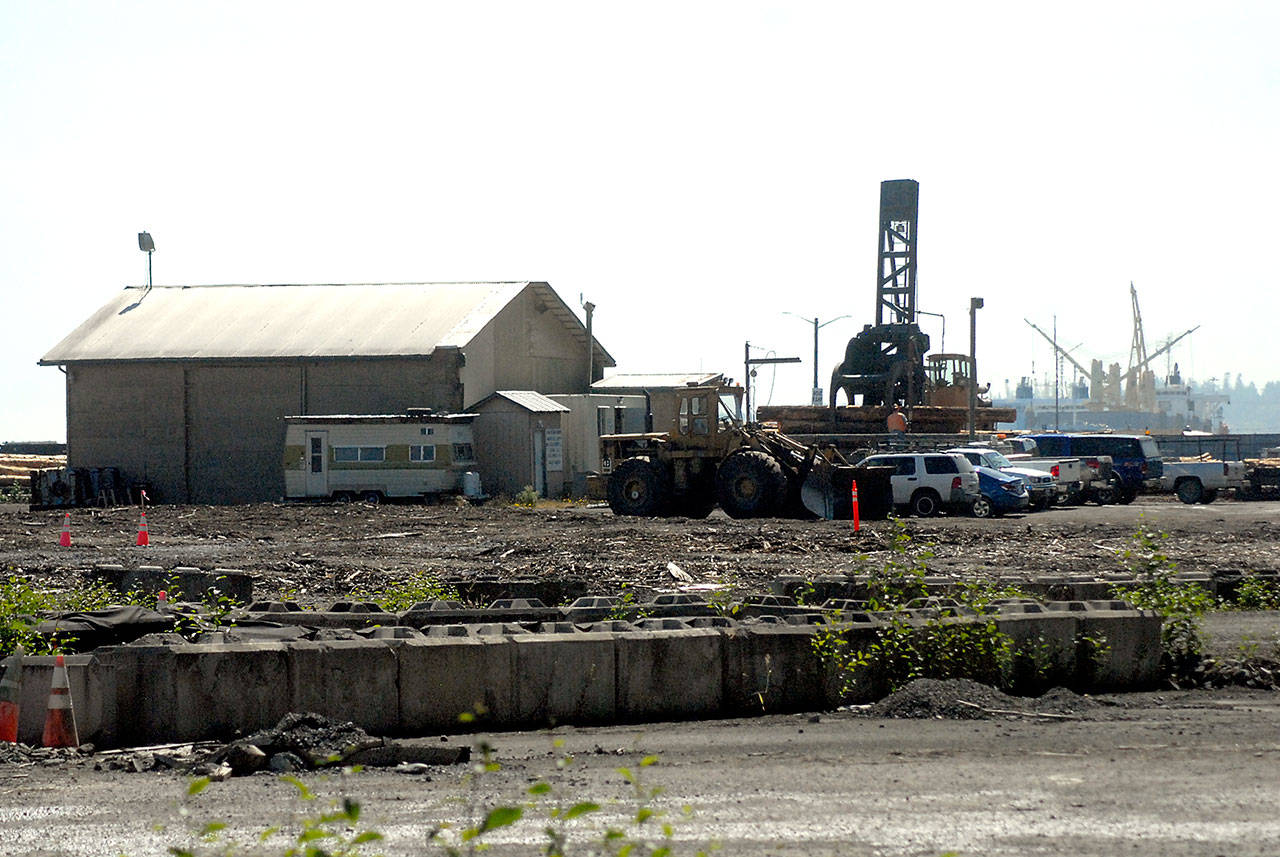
529 400
292 321
655 380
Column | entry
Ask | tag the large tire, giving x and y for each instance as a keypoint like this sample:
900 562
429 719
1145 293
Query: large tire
925 503
1189 491
750 485
982 508
638 486
1210 494
1127 496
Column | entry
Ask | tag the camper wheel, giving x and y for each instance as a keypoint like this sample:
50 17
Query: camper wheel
343 497
373 498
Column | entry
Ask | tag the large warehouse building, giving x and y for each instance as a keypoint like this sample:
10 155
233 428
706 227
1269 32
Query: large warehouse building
184 387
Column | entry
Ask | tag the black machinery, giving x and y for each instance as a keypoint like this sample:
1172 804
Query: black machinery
884 362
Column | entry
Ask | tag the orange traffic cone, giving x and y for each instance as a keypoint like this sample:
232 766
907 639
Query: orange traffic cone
65 538
162 602
10 694
143 538
60 722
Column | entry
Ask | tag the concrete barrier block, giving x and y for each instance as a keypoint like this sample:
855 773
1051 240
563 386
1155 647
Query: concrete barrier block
222 689
1045 648
565 678
441 678
654 670
770 668
1119 649
146 693
352 680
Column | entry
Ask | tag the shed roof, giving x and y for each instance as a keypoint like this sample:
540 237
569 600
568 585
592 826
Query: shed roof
248 322
535 403
638 381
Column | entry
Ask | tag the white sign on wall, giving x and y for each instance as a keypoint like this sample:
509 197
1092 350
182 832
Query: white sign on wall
555 450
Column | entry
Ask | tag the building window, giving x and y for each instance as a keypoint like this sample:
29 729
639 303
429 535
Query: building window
359 453
422 453
463 452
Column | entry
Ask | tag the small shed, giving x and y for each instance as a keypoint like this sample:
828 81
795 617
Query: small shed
519 441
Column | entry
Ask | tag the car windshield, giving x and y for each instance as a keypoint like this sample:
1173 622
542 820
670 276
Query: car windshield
995 459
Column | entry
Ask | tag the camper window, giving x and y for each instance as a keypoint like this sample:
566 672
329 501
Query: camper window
359 453
422 453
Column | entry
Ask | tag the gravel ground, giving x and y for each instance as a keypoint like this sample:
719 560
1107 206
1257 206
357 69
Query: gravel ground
324 552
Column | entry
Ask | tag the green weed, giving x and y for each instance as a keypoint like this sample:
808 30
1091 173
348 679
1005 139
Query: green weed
1179 603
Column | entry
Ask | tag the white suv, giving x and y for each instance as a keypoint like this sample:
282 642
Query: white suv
928 482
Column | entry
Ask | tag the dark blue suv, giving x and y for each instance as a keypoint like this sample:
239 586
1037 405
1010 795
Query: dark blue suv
1135 459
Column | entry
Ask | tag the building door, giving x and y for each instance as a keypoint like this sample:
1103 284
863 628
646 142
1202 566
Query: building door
317 464
539 462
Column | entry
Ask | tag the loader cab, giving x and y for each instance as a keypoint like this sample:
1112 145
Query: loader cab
703 413
950 376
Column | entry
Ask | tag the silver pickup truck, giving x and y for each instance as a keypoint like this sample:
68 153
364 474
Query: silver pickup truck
1200 481
1079 479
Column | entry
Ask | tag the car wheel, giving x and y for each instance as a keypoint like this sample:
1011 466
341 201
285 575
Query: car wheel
344 497
1126 496
982 508
1106 495
925 504
1189 491
373 498
1209 495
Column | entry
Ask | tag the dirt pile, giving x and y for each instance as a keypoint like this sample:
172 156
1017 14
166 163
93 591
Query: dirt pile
963 699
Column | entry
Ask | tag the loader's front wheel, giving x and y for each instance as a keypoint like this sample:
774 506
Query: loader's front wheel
637 487
750 485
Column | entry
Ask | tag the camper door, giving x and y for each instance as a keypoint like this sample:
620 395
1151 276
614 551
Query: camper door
317 464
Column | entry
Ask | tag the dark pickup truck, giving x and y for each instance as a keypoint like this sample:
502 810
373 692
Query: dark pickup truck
1136 463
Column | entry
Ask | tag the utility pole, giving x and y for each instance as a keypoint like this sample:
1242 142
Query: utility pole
817 391
975 304
748 367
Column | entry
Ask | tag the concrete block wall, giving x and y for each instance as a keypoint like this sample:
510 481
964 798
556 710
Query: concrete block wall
144 694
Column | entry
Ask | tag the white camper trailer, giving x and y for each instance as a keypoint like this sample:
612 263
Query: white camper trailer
374 457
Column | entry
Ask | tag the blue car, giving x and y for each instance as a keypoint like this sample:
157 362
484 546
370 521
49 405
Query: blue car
1000 493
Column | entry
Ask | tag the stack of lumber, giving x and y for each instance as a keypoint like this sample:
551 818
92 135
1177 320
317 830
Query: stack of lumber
16 469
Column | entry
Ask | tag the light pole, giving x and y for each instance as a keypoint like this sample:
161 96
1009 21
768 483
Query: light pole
942 346
817 391
146 245
975 304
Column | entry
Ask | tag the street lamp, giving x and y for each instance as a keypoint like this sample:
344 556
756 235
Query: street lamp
146 245
975 304
817 391
942 346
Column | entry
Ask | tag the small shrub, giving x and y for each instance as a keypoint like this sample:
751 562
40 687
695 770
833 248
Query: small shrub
1179 603
527 497
1257 593
21 603
402 594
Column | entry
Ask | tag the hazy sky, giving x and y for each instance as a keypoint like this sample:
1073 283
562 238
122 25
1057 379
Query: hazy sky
694 169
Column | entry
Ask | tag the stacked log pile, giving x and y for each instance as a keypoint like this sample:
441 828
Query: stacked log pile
925 419
16 469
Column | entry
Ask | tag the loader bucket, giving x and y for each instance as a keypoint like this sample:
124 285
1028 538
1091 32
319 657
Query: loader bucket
817 494
828 492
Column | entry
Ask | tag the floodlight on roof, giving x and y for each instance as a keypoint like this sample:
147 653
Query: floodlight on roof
146 245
